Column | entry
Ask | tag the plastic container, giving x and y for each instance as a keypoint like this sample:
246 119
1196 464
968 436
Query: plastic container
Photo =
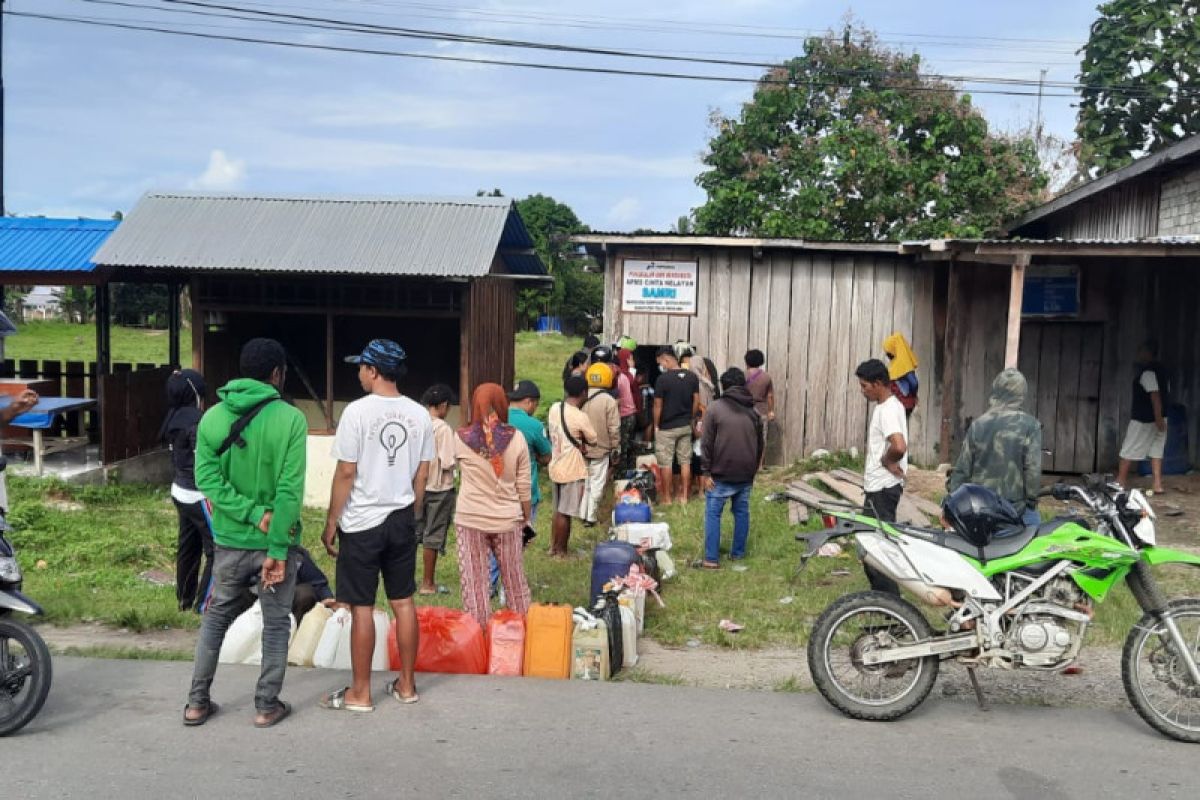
589 653
625 513
610 560
506 643
608 609
243 639
333 651
548 631
308 636
636 602
451 642
255 658
629 635
651 536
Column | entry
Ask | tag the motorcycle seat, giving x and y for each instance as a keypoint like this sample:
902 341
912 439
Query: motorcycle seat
1008 542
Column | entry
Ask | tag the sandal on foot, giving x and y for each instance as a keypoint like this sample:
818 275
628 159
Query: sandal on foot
336 701
281 712
394 692
209 710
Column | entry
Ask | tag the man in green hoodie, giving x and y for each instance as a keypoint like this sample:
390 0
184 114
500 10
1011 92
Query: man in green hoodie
250 461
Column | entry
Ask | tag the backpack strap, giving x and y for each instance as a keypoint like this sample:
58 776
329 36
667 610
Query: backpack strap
562 413
240 424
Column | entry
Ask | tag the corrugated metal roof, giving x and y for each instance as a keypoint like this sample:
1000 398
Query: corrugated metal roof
437 237
37 244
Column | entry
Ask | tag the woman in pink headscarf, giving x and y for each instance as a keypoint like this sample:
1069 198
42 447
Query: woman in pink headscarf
493 503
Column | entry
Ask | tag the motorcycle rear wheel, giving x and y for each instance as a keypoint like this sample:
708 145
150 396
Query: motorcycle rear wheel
870 621
25 675
1157 681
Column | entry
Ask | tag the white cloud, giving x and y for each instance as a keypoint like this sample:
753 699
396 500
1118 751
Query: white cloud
303 153
222 175
624 211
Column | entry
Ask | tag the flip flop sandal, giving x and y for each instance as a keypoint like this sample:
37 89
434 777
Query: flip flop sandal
281 712
209 710
336 701
394 692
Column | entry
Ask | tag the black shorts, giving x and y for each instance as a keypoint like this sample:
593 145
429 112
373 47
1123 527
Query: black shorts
390 549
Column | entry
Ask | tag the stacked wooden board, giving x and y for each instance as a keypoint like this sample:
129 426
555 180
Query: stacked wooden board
847 489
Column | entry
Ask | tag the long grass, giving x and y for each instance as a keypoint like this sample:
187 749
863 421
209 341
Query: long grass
52 340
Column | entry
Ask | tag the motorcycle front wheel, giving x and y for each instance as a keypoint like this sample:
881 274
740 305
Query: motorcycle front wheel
1156 678
24 675
870 622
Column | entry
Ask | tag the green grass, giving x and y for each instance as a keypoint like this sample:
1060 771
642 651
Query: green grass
540 358
63 341
83 548
83 565
129 653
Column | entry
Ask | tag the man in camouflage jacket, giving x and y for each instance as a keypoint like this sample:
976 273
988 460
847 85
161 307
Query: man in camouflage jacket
1003 448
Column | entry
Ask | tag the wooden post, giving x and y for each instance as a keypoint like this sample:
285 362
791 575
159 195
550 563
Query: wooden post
329 370
197 330
1016 293
173 325
103 364
951 365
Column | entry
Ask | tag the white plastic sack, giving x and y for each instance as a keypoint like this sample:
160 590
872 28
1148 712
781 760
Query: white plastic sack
333 651
379 659
243 639
666 565
308 636
654 535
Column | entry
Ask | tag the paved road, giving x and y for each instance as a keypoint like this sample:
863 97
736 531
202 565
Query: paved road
111 730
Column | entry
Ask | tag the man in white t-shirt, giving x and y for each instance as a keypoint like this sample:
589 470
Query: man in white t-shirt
887 454
383 446
1147 434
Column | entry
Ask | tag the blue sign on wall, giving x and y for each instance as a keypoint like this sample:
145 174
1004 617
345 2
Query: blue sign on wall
1051 291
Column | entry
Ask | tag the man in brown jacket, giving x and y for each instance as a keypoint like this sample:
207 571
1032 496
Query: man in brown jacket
604 414
731 450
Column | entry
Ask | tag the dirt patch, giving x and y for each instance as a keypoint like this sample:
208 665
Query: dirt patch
93 635
1099 685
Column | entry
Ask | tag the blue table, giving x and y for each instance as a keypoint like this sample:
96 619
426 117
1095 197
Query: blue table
41 418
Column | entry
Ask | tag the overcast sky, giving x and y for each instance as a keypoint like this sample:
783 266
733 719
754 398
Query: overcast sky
95 117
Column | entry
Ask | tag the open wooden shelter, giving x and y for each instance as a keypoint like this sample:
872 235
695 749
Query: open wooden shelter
325 275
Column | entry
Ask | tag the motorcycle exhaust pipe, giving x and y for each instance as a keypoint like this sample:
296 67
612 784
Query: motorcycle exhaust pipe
926 593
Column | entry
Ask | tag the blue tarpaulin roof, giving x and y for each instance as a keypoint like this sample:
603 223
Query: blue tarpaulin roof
37 244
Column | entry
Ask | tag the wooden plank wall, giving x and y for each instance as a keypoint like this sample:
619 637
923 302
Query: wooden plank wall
816 315
489 324
1127 211
132 407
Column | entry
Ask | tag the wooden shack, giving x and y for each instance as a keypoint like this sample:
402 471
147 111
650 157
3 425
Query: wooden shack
325 275
815 309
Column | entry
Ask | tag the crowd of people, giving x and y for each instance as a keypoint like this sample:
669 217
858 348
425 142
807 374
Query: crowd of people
403 477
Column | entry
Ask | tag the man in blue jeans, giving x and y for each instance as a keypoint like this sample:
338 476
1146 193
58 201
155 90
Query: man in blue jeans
731 450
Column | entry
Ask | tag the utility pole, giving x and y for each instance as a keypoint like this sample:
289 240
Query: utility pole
1037 133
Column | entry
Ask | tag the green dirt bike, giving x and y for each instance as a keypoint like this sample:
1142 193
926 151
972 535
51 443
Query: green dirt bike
1020 600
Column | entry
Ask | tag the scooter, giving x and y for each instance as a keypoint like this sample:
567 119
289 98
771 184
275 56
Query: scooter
25 671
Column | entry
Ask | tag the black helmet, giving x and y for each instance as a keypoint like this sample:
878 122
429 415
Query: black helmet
978 514
602 355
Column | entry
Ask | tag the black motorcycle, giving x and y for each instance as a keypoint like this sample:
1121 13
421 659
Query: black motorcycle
24 659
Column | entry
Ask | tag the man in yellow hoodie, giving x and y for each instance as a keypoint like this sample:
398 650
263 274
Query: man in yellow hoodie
250 462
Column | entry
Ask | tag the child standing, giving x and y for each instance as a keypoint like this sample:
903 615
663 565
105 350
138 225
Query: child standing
440 495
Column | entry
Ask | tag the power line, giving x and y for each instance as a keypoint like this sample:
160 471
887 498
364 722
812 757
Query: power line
327 23
481 61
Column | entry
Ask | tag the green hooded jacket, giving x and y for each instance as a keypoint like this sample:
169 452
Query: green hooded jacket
267 474
1003 446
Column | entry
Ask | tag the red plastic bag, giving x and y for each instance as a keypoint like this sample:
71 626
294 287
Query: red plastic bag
451 641
506 643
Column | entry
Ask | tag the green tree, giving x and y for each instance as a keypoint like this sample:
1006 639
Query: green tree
578 295
79 303
1139 73
850 142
